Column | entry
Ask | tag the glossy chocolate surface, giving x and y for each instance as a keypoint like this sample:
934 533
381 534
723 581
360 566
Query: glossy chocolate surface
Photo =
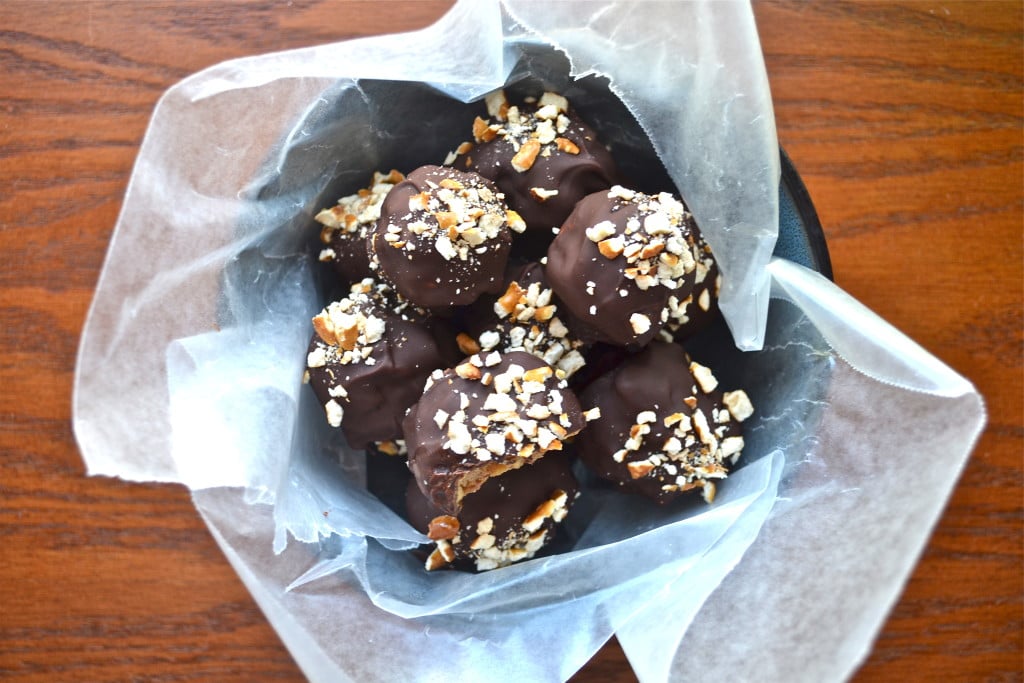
443 237
571 169
663 428
492 413
367 388
347 224
607 297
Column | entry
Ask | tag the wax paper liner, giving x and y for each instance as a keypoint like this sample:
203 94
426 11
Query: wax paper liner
190 359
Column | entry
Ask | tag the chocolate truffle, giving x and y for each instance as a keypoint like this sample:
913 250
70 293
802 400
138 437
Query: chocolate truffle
492 413
507 520
664 426
368 360
443 237
617 259
347 224
690 315
525 318
541 156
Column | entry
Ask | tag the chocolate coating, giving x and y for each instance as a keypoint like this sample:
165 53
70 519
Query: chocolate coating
443 237
368 362
492 413
617 259
664 428
347 225
499 509
574 170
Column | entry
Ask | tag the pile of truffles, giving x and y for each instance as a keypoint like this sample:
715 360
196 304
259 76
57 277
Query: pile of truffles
510 311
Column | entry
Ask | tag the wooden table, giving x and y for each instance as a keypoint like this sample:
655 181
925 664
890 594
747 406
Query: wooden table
905 120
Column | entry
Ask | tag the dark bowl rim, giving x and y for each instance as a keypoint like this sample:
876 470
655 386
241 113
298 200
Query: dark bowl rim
794 185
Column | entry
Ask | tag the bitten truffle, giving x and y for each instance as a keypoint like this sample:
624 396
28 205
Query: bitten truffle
541 156
507 520
443 237
616 261
492 413
664 426
368 360
347 224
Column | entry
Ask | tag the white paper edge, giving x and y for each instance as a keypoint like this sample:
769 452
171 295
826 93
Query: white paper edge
900 361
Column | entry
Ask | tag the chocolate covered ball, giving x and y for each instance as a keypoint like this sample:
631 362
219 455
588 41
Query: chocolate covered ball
616 261
690 315
542 156
347 224
664 426
368 361
525 318
492 413
443 237
509 519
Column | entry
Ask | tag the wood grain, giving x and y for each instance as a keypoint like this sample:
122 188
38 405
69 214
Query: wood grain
904 119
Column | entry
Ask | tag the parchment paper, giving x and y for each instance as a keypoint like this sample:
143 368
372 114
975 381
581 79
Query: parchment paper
190 364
